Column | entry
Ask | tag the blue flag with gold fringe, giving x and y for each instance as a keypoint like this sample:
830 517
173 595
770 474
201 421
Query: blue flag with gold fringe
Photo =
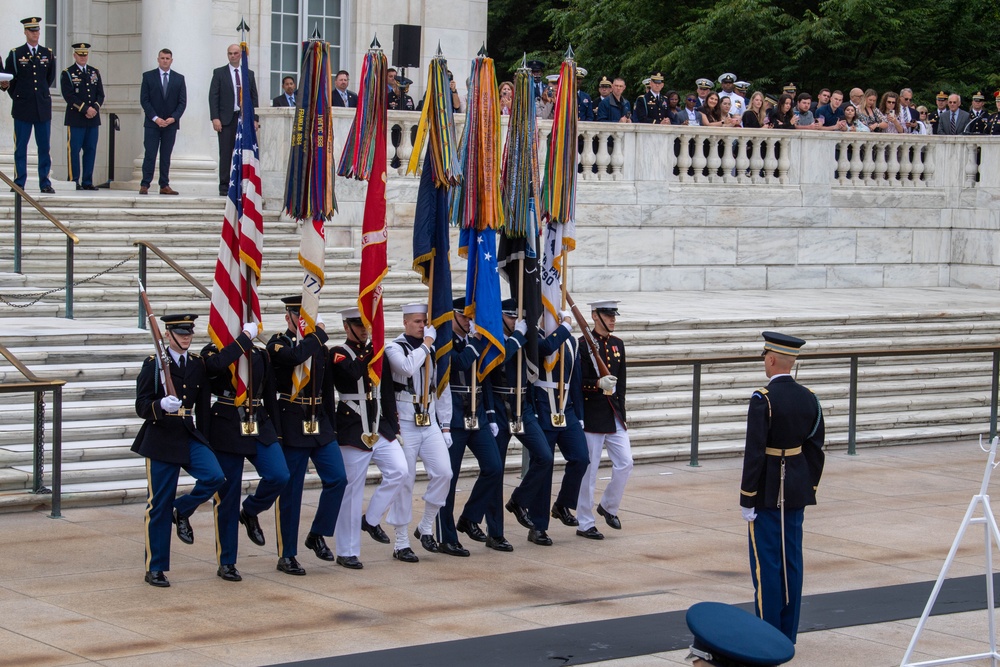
482 293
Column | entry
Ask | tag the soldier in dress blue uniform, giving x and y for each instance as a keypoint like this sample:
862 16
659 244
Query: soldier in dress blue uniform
604 421
471 427
782 466
726 636
34 69
172 439
308 432
367 430
235 438
652 107
979 117
584 105
83 91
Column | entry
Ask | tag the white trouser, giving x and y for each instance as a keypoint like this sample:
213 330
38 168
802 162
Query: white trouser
391 462
427 443
620 453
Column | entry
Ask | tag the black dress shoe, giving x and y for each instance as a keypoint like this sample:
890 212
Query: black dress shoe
48 190
375 531
473 530
498 544
427 541
157 578
520 513
252 525
184 531
453 549
79 187
290 566
229 573
539 537
92 188
318 544
565 515
612 519
406 555
591 533
350 562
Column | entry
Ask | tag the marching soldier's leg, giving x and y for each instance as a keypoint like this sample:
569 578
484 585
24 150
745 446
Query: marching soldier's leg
585 501
289 504
538 506
620 452
348 535
204 467
446 518
487 492
401 506
536 486
388 456
227 503
161 480
573 446
330 468
437 462
269 461
765 565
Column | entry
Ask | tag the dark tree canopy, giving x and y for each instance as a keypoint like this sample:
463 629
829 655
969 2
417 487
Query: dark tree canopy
927 45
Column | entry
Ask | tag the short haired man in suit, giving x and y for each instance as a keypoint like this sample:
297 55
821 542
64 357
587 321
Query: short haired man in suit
34 69
224 109
84 94
163 96
287 97
342 97
953 119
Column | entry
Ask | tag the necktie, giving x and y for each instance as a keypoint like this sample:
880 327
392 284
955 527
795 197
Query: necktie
32 52
165 82
181 363
953 124
344 96
291 100
239 90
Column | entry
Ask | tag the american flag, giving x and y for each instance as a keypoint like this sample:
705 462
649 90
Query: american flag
237 271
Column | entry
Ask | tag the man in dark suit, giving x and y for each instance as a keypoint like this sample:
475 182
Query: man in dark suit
224 95
163 97
287 97
34 69
342 97
954 119
83 91
782 466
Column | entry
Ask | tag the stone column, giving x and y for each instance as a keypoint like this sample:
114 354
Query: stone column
12 36
185 27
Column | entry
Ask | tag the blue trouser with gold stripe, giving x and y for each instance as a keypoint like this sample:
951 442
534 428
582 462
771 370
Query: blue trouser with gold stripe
330 468
84 138
22 133
765 568
161 480
270 465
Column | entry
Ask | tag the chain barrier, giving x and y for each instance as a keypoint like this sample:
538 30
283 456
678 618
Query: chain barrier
38 296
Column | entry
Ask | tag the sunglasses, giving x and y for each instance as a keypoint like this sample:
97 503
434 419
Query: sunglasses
691 99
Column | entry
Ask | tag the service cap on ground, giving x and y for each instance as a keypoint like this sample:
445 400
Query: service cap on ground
727 636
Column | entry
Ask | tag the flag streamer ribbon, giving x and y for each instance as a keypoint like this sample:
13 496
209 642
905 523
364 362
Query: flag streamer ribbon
437 129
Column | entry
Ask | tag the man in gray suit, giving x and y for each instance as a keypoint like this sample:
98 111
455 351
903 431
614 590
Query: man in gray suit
224 109
954 119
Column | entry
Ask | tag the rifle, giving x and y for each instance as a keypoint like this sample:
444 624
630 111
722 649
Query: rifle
160 347
602 368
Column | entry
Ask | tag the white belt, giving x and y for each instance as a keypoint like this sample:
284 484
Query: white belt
545 384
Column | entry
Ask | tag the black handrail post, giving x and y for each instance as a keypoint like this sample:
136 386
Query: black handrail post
852 410
695 412
17 232
56 453
69 278
38 464
142 279
995 392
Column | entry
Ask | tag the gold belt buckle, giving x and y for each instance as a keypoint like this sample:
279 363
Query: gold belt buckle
472 423
422 419
248 427
310 427
369 439
558 419
516 427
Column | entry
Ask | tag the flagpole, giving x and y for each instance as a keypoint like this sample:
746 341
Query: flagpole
520 352
250 424
425 400
562 308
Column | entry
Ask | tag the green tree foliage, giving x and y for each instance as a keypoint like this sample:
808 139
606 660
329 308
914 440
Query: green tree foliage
928 45
517 28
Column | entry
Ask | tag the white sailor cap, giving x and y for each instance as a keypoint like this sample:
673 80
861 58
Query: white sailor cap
552 78
411 308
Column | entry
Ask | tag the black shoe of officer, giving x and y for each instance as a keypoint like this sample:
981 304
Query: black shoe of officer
520 513
184 531
252 525
350 562
375 531
316 542
453 549
290 566
427 541
498 544
565 515
473 530
611 519
229 573
157 578
406 555
539 537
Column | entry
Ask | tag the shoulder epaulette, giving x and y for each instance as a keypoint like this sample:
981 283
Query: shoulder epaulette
761 390
193 355
151 357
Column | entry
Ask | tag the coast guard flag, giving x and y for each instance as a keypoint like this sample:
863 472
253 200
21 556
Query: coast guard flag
237 270
482 293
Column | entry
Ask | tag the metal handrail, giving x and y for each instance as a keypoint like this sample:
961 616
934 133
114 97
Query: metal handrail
853 355
71 238
38 387
172 264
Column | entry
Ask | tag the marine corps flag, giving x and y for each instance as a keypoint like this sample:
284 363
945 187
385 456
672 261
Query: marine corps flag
309 185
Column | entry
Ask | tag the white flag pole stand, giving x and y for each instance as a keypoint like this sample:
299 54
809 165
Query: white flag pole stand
992 534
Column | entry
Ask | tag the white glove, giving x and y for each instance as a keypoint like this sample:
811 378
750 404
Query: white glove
472 328
494 429
566 315
568 324
607 383
581 424
171 403
250 329
748 514
447 438
430 332
521 327
319 319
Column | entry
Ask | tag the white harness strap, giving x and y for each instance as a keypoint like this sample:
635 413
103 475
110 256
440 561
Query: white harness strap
359 401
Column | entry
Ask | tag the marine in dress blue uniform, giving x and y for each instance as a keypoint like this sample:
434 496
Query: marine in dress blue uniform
308 432
472 428
34 69
83 91
782 466
173 437
726 636
235 438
